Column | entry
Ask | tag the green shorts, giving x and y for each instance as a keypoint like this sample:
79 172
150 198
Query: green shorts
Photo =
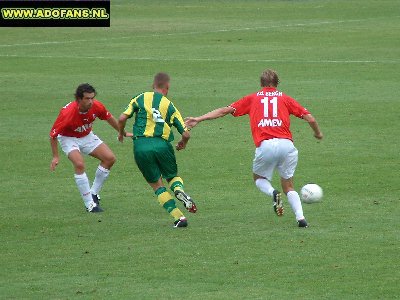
155 157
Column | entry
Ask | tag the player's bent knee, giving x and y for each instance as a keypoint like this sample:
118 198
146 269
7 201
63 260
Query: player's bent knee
113 159
79 167
110 161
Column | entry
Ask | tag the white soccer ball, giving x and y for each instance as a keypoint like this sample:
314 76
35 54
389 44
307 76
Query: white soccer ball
311 193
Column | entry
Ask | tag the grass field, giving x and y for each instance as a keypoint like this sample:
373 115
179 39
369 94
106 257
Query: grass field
340 59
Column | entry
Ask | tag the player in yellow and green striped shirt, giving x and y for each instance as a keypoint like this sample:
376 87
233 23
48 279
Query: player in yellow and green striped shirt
152 136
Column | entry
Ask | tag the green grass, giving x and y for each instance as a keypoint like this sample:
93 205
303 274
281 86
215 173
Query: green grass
338 58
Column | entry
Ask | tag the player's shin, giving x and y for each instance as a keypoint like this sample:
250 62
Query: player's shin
167 201
295 203
100 177
82 182
264 186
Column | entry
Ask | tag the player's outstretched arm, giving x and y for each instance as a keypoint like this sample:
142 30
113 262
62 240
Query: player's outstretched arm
54 150
314 126
191 122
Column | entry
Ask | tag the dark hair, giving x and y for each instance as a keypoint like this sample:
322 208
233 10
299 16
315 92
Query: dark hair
269 78
84 88
161 80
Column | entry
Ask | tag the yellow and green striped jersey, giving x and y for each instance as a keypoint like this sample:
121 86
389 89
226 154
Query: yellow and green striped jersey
155 115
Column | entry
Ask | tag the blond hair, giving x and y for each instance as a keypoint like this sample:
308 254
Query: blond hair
269 78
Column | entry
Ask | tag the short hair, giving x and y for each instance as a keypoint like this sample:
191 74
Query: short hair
269 78
161 80
84 88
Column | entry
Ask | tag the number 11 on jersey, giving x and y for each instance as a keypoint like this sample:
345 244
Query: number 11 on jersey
266 101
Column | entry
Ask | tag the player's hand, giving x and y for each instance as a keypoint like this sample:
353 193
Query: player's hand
181 145
54 163
319 136
191 122
125 134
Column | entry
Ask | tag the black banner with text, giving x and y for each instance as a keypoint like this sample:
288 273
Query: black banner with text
54 13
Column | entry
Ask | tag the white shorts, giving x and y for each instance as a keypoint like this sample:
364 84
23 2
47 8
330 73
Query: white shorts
275 153
85 144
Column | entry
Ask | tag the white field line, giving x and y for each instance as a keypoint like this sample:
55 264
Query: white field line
323 61
185 33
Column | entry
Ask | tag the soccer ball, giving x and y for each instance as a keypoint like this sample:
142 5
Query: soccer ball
311 193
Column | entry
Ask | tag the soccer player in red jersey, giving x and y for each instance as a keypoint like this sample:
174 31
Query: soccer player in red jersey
73 130
269 111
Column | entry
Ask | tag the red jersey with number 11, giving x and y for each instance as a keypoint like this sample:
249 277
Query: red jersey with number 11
269 111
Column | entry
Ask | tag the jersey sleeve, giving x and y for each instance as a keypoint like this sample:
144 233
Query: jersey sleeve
295 108
178 122
131 108
58 125
241 106
102 111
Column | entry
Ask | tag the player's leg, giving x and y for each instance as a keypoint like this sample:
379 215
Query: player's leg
145 157
264 163
95 147
263 167
167 201
176 185
82 180
294 200
103 153
71 147
107 160
286 170
169 170
263 184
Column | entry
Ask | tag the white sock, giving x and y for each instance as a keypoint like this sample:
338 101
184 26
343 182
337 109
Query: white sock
265 186
82 182
101 176
295 203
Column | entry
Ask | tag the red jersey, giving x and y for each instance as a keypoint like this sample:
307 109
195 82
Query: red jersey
269 111
72 122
